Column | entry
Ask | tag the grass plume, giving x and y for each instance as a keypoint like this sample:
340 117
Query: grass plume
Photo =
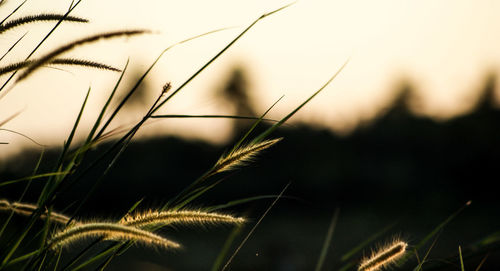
384 256
39 18
27 209
241 155
112 231
60 61
151 218
70 46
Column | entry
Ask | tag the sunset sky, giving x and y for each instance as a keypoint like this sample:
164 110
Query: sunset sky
445 48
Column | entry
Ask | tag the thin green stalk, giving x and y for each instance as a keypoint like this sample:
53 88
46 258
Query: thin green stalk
275 126
253 228
328 241
461 258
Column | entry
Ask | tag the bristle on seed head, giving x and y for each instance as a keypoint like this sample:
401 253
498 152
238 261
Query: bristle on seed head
384 256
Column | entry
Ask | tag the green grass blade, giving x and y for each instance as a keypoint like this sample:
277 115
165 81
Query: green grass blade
365 243
37 166
238 144
461 259
243 201
253 228
48 190
229 45
95 258
225 248
34 177
275 126
328 240
105 107
434 232
209 117
421 263
141 79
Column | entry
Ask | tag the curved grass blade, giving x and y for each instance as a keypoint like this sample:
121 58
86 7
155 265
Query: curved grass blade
140 80
21 134
253 228
272 128
229 45
245 200
328 240
34 177
434 232
105 107
186 191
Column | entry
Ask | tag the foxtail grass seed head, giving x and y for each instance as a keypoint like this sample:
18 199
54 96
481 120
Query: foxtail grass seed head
384 256
39 18
111 231
151 218
166 88
242 155
70 46
27 209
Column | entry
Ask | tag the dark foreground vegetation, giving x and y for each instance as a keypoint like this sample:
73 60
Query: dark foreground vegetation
402 170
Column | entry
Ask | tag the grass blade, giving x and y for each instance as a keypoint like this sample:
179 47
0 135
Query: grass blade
253 228
13 45
275 126
328 240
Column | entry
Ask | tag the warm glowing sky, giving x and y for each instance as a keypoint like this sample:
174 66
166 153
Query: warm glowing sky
445 47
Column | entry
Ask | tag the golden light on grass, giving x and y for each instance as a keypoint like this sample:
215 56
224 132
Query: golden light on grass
111 231
151 218
27 209
384 256
241 155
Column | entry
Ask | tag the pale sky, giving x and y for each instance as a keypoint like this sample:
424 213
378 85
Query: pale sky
444 47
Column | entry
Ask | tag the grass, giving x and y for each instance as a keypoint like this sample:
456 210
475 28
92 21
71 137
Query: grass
42 246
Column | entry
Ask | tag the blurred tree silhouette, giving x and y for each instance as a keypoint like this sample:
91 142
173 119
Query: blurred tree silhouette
235 95
400 166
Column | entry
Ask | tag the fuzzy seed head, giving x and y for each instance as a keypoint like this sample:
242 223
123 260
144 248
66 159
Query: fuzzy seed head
242 155
151 218
384 256
110 231
27 209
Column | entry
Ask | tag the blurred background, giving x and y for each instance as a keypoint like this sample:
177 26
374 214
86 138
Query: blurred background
403 137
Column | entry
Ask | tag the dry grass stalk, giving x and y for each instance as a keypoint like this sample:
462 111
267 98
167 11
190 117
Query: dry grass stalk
242 155
151 218
27 209
384 256
60 61
50 56
112 231
37 18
